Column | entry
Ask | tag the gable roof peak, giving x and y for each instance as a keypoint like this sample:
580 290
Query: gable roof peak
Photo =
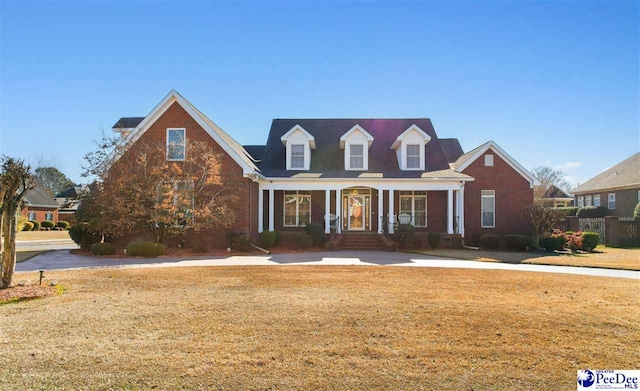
355 128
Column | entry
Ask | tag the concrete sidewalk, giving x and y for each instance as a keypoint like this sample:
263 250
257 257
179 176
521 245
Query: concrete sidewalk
63 259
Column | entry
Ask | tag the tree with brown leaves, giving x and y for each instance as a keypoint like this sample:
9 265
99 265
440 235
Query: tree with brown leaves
16 180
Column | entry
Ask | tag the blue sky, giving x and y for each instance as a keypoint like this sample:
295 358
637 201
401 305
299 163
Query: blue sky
554 83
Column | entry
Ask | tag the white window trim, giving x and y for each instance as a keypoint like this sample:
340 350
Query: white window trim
296 136
284 208
420 157
358 136
611 200
32 213
291 156
365 158
184 146
409 137
493 197
413 197
488 160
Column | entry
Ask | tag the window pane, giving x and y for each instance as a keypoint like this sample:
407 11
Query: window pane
596 200
297 156
405 205
356 159
488 209
413 156
175 144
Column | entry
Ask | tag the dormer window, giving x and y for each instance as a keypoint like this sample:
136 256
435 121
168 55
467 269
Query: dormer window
356 143
410 148
297 156
298 143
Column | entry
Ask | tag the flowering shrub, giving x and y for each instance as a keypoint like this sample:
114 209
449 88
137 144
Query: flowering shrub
574 241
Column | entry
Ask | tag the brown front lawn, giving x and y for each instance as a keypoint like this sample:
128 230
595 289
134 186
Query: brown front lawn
42 235
315 327
605 257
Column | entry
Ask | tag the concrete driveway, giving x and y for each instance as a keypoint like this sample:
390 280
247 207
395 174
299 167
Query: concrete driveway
62 259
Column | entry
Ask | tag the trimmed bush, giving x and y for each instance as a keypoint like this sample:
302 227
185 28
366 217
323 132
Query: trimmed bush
316 231
434 239
145 249
238 241
403 233
36 225
269 239
82 236
592 211
62 224
569 210
20 224
552 243
47 224
489 241
590 240
200 246
303 241
518 242
28 226
636 211
102 249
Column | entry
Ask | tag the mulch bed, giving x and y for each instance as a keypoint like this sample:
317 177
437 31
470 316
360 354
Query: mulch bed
20 293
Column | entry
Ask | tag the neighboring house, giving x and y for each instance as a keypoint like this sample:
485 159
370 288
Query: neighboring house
554 197
363 175
617 188
69 201
39 205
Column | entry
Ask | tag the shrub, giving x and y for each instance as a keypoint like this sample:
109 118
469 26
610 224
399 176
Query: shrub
21 222
518 242
434 239
238 241
102 249
592 211
569 210
82 236
573 241
552 243
145 249
489 241
403 233
590 240
27 226
36 225
636 211
199 245
47 224
316 231
269 239
303 241
62 224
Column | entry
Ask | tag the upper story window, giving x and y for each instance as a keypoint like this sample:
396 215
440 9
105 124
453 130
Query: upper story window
298 144
176 144
612 201
410 148
297 156
356 143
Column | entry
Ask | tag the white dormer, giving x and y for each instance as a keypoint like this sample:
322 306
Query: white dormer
409 147
299 144
356 143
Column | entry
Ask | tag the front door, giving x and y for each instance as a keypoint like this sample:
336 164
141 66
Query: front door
357 213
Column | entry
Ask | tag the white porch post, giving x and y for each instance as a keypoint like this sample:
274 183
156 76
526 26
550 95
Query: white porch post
327 211
271 211
391 211
457 214
338 217
380 211
449 211
260 209
461 222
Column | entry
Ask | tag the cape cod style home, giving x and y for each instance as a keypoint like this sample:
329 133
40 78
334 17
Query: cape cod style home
352 175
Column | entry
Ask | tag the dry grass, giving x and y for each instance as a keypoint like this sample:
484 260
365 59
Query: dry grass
605 257
42 235
306 327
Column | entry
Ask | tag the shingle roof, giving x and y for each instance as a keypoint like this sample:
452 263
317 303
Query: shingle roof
127 122
555 192
327 159
73 191
256 151
464 158
39 196
451 148
624 174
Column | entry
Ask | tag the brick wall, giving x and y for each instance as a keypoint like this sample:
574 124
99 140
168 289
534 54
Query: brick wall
512 194
626 200
40 213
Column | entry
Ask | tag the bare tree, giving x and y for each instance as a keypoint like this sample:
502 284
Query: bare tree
541 219
16 180
549 177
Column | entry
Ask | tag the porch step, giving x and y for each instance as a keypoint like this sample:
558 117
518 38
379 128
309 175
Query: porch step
360 241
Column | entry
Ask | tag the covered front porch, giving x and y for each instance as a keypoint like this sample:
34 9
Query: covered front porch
359 206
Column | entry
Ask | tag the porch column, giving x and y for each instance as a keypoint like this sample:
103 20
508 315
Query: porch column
461 214
449 211
260 210
338 208
327 211
391 211
271 211
380 211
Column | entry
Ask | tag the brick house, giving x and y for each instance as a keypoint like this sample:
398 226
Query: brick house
39 205
352 175
617 188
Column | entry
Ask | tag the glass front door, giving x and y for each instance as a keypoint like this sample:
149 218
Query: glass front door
357 213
